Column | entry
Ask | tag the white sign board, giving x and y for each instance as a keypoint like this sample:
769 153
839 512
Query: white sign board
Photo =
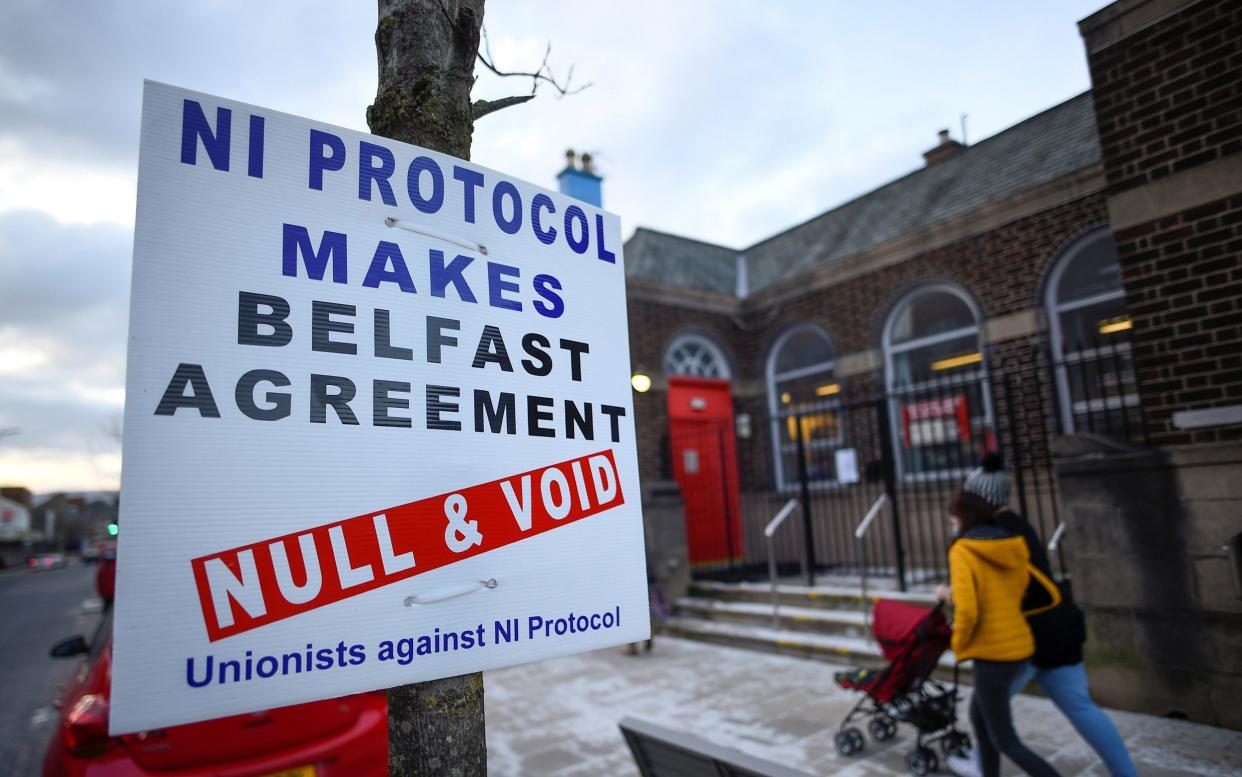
378 424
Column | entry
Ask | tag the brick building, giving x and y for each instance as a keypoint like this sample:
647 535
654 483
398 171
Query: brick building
921 293
984 225
1153 524
1075 277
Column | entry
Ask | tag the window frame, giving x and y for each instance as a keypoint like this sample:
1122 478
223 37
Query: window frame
895 394
777 416
707 344
1054 308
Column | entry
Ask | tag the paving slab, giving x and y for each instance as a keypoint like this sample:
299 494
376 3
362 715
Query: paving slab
558 718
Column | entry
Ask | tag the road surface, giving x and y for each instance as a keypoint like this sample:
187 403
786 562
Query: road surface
36 610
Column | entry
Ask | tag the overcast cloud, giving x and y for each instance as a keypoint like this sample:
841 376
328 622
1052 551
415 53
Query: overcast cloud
722 120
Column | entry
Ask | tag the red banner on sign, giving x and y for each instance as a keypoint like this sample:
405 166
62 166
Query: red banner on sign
250 586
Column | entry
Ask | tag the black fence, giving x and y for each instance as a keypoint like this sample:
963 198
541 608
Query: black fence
914 446
1099 391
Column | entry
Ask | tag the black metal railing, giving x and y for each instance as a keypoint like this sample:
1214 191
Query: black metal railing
915 444
1098 390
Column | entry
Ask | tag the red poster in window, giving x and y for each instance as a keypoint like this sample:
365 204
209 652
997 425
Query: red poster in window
935 421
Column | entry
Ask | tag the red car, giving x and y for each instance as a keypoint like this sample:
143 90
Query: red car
45 561
346 736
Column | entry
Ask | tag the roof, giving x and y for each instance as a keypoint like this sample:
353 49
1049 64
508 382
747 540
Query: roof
680 261
1046 146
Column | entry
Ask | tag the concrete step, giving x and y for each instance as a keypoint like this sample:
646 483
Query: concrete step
833 648
825 597
847 623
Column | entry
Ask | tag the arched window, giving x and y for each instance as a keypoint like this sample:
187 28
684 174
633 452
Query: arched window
803 398
1089 330
695 356
940 405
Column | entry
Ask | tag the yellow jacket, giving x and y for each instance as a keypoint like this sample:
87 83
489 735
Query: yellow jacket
989 570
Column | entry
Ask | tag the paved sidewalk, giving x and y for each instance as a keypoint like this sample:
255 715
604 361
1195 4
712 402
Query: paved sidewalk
559 718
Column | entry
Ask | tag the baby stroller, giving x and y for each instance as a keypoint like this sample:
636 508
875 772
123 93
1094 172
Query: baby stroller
912 639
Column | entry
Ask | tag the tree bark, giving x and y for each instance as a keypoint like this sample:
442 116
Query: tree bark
426 51
436 728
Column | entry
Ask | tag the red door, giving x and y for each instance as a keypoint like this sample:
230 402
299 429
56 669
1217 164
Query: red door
704 452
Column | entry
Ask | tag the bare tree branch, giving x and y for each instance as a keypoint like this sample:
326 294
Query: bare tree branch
543 74
480 108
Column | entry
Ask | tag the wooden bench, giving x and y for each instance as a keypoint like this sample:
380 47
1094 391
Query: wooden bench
663 752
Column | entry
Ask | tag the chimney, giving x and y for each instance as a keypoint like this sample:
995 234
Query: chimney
946 148
579 179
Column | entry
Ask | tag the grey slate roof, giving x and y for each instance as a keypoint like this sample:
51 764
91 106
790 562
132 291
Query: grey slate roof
1048 145
680 261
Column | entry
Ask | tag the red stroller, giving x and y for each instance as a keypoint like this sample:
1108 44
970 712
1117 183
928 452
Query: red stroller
912 639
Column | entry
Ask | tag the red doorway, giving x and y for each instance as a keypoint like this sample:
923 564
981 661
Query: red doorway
704 454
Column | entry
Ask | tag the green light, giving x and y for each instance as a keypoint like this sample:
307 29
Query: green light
113 529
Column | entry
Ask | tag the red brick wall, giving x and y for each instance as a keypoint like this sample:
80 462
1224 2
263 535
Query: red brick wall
652 326
1003 269
1170 97
1183 281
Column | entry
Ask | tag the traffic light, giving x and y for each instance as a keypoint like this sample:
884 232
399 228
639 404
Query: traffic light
113 529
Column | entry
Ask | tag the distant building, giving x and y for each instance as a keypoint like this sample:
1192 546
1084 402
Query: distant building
16 533
71 521
14 520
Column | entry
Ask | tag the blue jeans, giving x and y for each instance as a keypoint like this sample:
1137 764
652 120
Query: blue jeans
1067 687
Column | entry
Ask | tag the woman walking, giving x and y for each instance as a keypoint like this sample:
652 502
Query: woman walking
989 569
1057 664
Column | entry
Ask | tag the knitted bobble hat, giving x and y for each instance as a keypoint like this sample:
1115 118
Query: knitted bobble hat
989 481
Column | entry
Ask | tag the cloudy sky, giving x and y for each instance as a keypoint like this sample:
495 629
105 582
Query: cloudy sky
724 120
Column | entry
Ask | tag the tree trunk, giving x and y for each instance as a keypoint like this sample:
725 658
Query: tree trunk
436 728
427 50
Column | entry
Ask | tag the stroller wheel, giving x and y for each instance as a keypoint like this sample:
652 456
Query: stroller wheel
856 736
849 741
922 762
882 728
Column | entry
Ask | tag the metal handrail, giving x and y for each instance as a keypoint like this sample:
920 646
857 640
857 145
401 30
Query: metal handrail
859 533
779 518
768 531
870 516
1056 538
